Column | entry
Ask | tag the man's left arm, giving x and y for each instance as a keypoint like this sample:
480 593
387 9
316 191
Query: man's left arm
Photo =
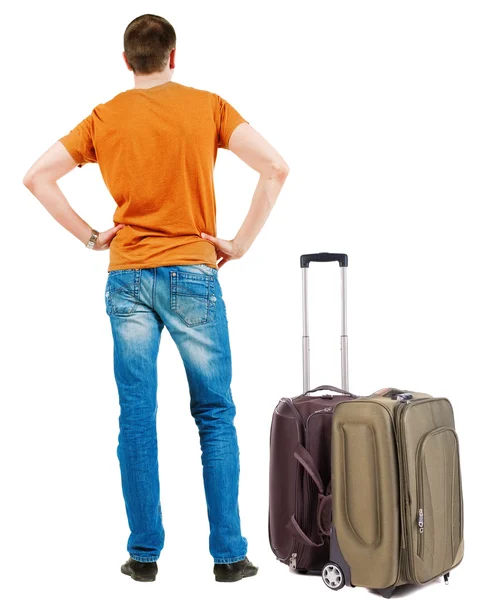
72 150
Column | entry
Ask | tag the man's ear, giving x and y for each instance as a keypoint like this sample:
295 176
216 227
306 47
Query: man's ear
172 58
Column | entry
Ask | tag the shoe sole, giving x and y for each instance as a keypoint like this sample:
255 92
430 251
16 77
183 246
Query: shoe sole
237 578
136 577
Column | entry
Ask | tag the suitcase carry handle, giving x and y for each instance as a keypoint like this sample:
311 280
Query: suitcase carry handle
398 394
332 389
305 260
390 392
324 508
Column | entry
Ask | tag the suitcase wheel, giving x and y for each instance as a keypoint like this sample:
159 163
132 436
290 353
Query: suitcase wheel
332 576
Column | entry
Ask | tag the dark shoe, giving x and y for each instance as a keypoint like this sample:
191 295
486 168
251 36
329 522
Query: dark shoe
140 571
234 571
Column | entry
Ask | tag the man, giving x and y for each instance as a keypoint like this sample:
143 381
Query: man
156 146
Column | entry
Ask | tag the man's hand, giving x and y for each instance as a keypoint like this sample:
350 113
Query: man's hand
226 250
104 238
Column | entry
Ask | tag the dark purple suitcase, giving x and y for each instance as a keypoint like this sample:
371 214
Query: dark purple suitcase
300 450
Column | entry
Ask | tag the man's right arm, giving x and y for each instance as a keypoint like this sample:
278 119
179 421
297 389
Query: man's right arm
257 153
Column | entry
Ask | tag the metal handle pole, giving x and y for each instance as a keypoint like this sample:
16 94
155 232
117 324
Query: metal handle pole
344 336
306 337
305 260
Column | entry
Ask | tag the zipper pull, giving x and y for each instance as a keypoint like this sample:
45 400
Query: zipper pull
421 520
292 560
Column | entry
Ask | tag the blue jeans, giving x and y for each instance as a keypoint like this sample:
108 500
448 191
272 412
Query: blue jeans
188 301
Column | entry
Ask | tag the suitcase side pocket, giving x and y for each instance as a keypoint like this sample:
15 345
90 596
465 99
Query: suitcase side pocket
439 518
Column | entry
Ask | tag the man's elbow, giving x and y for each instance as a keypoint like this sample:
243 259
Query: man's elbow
32 177
29 180
35 177
279 171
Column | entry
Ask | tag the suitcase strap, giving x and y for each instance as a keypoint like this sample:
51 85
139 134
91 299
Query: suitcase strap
306 460
324 508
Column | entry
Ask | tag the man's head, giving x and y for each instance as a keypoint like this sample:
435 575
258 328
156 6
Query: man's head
149 42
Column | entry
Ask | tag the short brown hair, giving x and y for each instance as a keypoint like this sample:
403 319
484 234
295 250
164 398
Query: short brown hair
148 41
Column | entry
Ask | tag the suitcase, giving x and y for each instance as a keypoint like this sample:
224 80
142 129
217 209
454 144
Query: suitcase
372 484
300 440
397 492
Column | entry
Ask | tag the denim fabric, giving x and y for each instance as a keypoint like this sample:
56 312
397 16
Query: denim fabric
187 300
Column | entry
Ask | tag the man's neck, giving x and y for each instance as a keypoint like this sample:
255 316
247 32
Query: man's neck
152 80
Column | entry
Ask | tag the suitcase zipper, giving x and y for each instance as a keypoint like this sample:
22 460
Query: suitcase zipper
329 409
275 550
420 498
300 430
406 518
404 484
296 548
421 530
410 571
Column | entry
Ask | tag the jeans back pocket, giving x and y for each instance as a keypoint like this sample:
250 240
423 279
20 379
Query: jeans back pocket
122 291
192 297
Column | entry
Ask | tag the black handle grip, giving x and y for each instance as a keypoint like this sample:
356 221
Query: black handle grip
306 259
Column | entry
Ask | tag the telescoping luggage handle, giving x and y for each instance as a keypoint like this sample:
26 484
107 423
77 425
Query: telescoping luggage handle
305 261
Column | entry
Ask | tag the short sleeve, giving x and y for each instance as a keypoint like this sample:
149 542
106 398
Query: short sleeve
79 141
227 119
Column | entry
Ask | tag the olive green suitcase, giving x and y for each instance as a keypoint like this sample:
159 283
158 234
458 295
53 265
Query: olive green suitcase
397 506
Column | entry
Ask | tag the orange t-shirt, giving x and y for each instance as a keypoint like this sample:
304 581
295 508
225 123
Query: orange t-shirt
156 149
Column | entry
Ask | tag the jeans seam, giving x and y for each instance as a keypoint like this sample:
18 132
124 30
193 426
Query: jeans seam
137 278
226 561
153 291
145 559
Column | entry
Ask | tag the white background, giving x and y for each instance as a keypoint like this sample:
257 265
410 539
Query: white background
383 111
